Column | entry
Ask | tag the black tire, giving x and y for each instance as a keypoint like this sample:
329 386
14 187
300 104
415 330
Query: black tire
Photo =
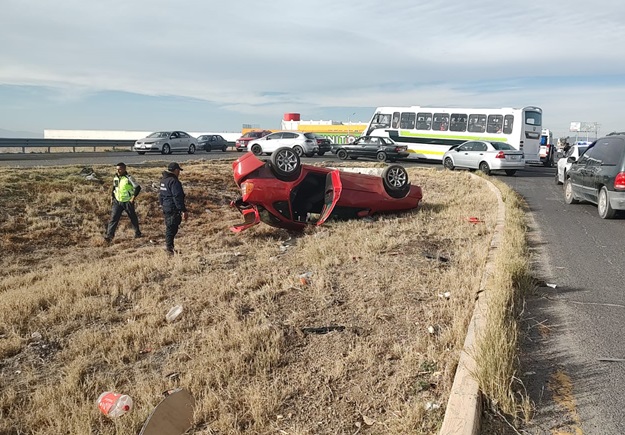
298 150
224 148
286 164
310 154
320 153
510 172
166 149
239 150
208 148
353 157
141 153
485 168
603 205
395 180
449 164
191 149
341 154
569 198
381 156
256 149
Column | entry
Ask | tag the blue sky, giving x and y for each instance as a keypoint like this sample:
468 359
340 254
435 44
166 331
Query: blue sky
196 65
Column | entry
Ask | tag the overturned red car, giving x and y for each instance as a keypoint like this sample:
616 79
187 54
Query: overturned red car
284 193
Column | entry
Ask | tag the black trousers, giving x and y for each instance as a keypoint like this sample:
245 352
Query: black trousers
172 223
116 214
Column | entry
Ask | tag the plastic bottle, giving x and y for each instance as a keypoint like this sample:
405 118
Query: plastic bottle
174 313
114 405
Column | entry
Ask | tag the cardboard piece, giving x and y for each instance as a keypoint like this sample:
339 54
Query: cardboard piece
172 416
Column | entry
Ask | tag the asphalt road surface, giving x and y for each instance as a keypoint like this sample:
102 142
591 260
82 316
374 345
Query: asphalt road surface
573 329
578 324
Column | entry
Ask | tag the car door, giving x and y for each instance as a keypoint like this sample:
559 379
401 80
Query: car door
372 147
174 141
271 142
333 190
185 141
606 156
288 139
477 154
582 173
461 157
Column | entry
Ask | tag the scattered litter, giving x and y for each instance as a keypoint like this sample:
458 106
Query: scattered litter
114 405
174 313
86 171
304 278
173 376
144 351
237 254
283 248
323 329
551 285
368 420
475 220
429 406
173 415
612 359
529 373
92 177
36 336
152 241
431 329
445 295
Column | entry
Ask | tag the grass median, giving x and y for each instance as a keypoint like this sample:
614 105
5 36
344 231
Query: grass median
370 343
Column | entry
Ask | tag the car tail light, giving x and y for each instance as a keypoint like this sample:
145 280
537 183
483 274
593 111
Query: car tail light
246 189
619 181
398 149
500 155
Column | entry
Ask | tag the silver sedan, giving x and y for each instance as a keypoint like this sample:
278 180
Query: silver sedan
165 142
486 156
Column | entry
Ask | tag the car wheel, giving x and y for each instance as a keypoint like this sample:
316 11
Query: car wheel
449 164
569 198
166 149
353 157
510 172
485 168
320 153
381 156
341 154
224 148
395 180
603 205
191 149
208 148
285 163
256 149
141 153
298 150
310 154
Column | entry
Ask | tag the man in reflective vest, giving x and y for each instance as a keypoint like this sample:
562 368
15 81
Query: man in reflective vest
125 190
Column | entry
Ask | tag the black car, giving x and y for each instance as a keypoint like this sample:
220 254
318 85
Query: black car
324 144
599 176
376 147
209 142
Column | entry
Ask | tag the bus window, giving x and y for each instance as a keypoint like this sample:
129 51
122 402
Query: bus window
395 120
508 121
533 118
407 120
458 122
424 121
441 122
382 120
477 123
495 123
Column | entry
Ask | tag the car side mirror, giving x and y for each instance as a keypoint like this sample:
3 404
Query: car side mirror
571 159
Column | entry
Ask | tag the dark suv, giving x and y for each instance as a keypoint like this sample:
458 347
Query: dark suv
598 176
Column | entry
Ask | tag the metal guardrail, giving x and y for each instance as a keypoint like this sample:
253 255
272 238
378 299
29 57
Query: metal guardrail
65 143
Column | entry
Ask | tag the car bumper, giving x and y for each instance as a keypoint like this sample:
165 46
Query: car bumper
145 148
617 199
325 148
503 164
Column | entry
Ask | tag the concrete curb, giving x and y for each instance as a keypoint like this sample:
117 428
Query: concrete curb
464 408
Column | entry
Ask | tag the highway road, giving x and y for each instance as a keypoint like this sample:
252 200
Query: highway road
579 323
572 327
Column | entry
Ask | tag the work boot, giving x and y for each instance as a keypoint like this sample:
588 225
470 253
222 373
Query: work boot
138 235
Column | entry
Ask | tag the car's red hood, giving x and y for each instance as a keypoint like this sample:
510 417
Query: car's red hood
245 165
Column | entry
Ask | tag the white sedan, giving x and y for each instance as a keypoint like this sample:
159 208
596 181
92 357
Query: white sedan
165 142
486 156
563 166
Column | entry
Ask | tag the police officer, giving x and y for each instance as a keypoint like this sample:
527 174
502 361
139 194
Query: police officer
125 190
171 199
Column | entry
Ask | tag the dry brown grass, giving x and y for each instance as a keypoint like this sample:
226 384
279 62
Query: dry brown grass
240 346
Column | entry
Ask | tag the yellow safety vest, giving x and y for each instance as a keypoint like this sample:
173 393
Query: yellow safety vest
123 188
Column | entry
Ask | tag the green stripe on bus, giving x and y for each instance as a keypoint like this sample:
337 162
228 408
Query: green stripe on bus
430 152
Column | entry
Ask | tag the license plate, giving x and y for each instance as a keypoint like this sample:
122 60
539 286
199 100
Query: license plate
514 157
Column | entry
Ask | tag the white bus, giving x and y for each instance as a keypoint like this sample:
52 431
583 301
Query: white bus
430 131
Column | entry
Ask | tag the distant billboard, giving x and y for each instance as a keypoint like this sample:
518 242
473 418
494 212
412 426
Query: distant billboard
575 126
